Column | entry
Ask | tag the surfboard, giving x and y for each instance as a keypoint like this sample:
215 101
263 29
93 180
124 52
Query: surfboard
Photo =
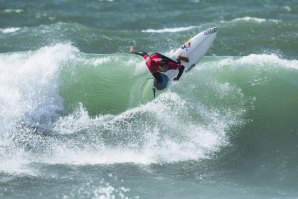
194 49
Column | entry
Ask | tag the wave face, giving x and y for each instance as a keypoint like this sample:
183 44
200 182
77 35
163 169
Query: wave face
61 106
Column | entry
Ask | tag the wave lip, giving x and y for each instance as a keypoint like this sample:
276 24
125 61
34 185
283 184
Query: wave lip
31 82
269 59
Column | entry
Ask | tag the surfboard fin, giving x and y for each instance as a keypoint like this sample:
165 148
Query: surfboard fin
154 90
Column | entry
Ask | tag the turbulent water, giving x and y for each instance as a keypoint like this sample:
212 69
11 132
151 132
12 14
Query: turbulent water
79 121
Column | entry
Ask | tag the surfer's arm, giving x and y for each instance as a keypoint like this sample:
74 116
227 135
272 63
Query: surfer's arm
181 69
133 51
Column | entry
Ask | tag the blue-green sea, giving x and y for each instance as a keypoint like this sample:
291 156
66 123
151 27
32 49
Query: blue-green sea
78 119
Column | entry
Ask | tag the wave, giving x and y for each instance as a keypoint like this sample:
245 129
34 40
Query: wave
13 10
254 19
61 106
9 30
171 30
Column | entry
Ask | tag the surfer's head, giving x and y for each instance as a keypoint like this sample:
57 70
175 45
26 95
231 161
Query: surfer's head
163 65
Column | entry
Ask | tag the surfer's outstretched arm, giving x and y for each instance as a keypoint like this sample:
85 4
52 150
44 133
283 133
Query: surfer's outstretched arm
133 51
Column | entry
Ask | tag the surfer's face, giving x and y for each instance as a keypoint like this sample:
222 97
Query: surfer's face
163 68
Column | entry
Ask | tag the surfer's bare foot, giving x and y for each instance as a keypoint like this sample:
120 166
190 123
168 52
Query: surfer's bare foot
183 58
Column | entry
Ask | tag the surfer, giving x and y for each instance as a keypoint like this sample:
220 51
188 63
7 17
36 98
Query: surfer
157 63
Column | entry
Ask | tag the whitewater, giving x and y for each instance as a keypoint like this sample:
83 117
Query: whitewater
48 116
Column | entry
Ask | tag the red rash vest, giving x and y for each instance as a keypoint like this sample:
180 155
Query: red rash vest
153 63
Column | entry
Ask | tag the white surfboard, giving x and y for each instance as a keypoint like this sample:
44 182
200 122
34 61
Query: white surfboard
194 49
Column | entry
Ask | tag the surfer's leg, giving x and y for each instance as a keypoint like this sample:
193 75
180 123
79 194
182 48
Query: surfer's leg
157 77
157 80
161 81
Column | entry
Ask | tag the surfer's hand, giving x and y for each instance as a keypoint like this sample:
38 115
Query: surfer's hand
132 49
176 79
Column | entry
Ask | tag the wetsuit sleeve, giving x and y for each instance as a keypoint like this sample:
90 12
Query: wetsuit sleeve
140 53
181 69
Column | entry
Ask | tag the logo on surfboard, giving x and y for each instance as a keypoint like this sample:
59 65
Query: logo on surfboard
210 31
187 45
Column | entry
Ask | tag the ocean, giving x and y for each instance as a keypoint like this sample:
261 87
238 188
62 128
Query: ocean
78 120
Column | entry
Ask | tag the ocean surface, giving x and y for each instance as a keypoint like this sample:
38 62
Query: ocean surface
77 117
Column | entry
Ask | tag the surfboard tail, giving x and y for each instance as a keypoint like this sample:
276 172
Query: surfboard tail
154 91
